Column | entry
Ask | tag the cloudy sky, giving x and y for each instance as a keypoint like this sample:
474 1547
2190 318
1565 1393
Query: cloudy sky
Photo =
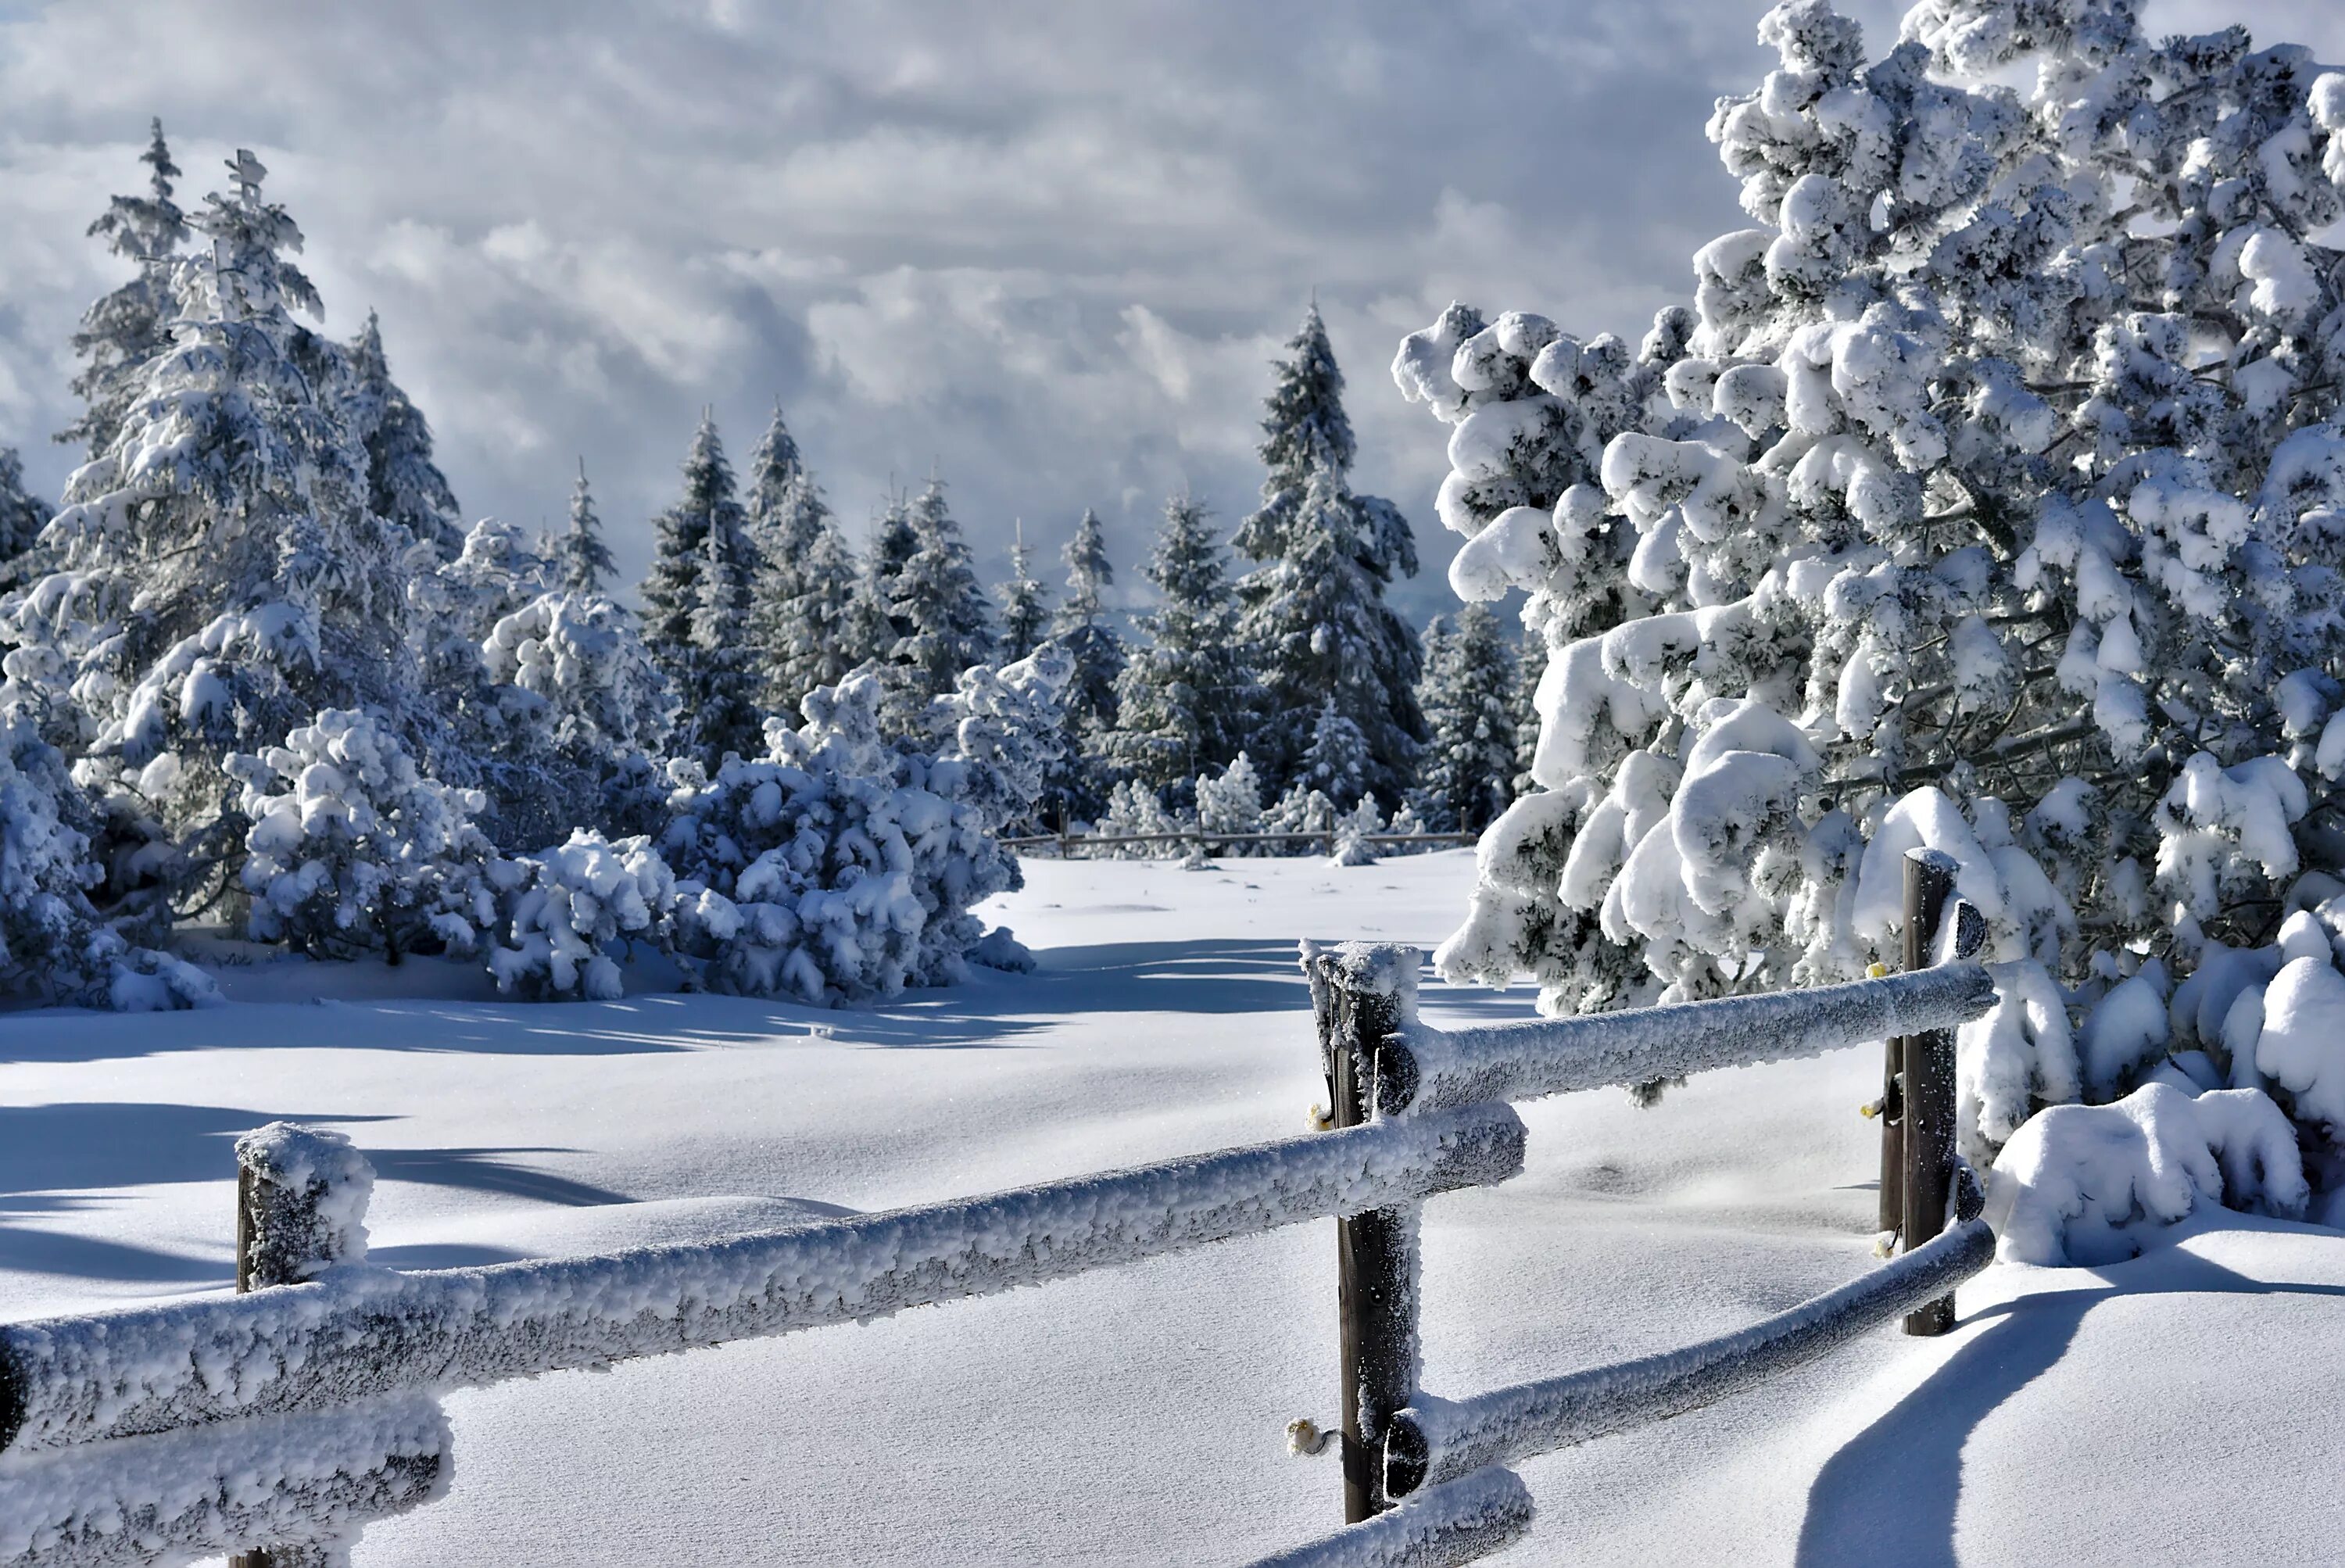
1044 251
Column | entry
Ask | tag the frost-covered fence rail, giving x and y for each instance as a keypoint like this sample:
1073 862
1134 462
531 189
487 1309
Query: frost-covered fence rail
1326 838
356 1332
1413 1458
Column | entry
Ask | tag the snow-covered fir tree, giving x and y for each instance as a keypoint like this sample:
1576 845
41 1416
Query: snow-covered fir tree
1082 628
216 577
1184 698
403 484
1465 776
1985 499
682 551
1312 614
23 515
802 611
582 563
130 325
1025 602
946 624
724 716
873 629
1078 786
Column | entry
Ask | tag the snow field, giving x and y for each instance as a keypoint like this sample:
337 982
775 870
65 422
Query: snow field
1138 1414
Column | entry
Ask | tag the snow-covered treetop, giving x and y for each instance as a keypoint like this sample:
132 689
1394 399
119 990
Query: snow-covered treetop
1088 572
585 561
1989 489
403 484
131 324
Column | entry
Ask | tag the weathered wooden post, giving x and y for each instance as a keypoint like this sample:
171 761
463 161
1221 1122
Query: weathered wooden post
1361 993
300 1208
1928 1108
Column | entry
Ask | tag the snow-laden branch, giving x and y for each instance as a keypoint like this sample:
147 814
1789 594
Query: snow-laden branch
1439 1068
360 1332
279 1480
1438 1440
1462 1521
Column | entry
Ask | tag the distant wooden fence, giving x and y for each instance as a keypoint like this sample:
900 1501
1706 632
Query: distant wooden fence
1326 838
276 1422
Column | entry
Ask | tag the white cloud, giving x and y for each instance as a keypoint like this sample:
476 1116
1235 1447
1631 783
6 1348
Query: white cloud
1046 249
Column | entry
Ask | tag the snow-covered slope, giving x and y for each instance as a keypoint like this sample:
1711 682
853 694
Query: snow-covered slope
1137 1415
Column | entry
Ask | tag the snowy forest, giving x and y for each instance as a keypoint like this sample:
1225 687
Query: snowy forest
262 673
1884 721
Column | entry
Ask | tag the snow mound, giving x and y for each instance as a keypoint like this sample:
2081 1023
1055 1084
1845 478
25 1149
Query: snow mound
2083 1184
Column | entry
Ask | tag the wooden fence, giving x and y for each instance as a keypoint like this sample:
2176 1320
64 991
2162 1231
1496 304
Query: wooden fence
276 1422
1066 843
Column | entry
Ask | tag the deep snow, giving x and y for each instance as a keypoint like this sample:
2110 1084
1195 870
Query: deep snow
1138 1415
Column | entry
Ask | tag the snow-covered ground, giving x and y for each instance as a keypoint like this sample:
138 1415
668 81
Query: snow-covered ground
2152 1411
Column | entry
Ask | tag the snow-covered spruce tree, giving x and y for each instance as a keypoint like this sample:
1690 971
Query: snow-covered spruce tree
680 551
597 711
1185 698
403 484
1985 499
352 849
1079 785
22 517
1313 614
841 867
129 326
802 610
1465 775
872 628
216 578
724 714
947 626
1025 602
582 563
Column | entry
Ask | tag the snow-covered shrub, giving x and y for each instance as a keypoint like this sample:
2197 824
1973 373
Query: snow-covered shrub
1352 829
53 942
565 915
1231 802
2080 1183
46 923
1135 809
352 848
1302 810
836 868
1988 497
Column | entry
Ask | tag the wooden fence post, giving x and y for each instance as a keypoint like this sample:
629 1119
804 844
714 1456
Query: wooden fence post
1927 1122
1369 991
300 1207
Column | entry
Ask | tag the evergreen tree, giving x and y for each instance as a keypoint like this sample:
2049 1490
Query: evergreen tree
802 620
724 715
403 484
127 328
1313 612
1098 652
582 560
21 518
671 589
1335 764
941 607
872 628
1079 784
775 470
1183 697
220 579
1465 776
1025 609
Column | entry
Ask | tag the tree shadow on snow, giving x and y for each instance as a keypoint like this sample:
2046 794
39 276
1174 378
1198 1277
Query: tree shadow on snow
50 1153
1900 1479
